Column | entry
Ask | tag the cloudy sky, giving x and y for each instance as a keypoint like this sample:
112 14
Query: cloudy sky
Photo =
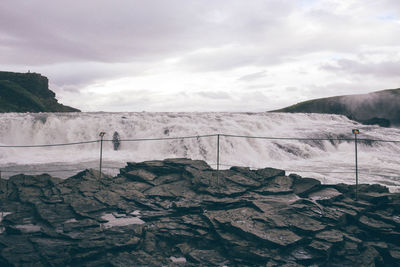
202 55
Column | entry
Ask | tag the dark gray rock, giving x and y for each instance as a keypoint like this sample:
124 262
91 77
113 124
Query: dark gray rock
321 247
390 216
208 258
180 212
325 195
277 185
53 250
141 176
375 225
300 222
85 205
305 256
268 173
376 198
331 236
369 257
395 254
242 180
303 186
17 250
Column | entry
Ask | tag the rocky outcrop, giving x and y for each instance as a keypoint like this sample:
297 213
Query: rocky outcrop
380 108
180 212
28 92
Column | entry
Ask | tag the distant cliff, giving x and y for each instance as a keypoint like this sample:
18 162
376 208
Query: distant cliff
28 92
381 107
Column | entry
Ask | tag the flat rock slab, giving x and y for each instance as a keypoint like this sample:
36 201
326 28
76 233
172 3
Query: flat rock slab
242 180
277 185
395 254
281 237
375 225
300 221
324 195
321 247
304 186
377 198
141 175
268 173
331 236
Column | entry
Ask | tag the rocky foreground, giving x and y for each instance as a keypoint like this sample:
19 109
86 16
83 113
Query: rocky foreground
180 212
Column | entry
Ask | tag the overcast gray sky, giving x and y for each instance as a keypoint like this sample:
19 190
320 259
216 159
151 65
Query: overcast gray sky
202 55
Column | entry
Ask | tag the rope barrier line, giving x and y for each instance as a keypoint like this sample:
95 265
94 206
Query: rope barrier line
44 171
165 138
49 145
378 140
308 139
203 136
288 138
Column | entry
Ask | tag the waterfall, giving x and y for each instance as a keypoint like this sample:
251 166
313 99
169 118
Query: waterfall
331 161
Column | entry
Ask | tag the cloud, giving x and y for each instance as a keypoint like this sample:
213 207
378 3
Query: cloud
291 89
379 69
84 73
214 95
342 88
254 76
169 47
120 31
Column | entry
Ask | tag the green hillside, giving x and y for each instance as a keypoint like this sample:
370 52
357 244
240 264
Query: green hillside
28 92
381 107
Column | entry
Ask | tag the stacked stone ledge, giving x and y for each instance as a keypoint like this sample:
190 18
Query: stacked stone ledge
177 213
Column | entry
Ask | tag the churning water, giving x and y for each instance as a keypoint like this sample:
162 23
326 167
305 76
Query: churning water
329 161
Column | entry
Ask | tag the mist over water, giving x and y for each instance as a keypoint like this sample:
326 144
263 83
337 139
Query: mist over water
329 161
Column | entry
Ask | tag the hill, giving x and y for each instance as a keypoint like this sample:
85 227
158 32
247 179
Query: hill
381 107
28 92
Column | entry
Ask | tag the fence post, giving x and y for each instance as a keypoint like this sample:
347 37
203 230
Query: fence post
355 132
218 152
101 149
218 135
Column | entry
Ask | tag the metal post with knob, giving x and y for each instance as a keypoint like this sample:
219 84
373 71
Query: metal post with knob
101 149
355 132
218 135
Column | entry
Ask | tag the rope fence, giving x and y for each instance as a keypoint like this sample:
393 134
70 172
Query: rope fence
217 136
50 145
203 136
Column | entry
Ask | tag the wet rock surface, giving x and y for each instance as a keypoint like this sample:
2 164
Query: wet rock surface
180 212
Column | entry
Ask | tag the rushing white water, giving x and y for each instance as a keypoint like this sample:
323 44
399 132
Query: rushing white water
329 161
